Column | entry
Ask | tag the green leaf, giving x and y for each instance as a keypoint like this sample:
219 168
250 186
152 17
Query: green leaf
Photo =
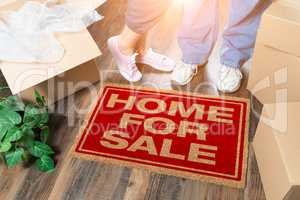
27 141
44 134
35 117
44 118
40 149
8 119
12 103
45 164
13 158
39 99
27 131
13 135
3 130
5 146
28 137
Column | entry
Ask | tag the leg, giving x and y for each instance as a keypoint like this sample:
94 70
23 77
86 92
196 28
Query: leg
197 37
240 33
128 41
199 30
239 40
141 16
126 47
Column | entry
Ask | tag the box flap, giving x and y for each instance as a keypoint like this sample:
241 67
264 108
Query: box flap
274 76
284 119
80 48
272 170
280 26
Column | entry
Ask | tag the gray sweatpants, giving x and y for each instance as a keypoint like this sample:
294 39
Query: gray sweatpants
199 29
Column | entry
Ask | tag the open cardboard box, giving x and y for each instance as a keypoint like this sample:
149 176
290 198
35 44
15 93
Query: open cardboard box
276 61
277 149
75 71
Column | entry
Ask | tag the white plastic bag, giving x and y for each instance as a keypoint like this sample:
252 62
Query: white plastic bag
27 35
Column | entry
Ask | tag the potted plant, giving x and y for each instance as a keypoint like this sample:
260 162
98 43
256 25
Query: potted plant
24 133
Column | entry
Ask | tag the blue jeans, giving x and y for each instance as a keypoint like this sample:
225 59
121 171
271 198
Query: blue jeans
200 27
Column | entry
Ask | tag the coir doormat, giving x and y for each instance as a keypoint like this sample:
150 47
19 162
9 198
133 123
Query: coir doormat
181 134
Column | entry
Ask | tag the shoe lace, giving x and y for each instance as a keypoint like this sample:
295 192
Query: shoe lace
132 62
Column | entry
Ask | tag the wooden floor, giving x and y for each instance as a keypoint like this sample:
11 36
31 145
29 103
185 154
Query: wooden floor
79 179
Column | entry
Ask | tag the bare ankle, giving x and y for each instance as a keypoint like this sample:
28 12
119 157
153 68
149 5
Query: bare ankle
127 52
125 48
141 52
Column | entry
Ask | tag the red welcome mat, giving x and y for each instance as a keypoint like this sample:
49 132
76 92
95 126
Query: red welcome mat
187 135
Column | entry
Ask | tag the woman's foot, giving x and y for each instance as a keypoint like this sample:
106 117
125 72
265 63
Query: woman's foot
157 61
126 63
229 79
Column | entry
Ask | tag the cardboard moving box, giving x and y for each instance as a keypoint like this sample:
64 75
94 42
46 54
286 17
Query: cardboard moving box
276 61
75 71
274 76
277 149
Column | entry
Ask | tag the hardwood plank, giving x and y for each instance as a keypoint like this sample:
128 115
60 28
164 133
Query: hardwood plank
164 187
11 180
254 189
88 180
138 184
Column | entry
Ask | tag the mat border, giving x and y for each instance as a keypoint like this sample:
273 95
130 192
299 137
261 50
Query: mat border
161 170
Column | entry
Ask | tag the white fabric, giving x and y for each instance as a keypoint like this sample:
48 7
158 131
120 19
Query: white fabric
27 35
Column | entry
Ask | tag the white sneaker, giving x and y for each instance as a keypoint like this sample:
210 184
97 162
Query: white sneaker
126 64
157 61
229 79
184 73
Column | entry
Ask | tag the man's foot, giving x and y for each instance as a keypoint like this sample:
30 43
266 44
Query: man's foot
157 61
126 64
229 79
184 73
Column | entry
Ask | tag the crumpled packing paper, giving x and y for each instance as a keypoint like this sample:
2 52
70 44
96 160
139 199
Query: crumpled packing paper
28 35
